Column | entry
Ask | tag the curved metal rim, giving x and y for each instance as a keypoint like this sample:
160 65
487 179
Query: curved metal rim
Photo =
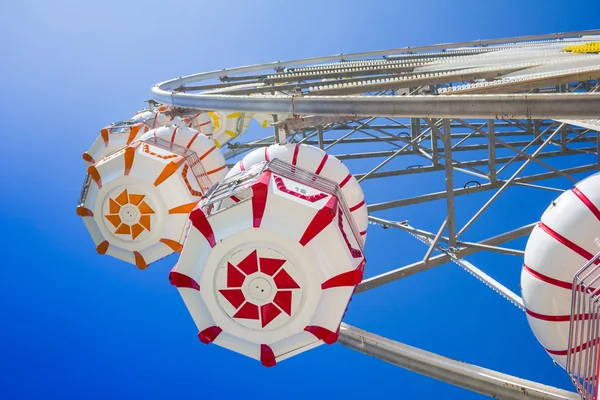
577 106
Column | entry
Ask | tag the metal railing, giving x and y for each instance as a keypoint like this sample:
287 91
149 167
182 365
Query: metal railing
584 330
191 158
84 189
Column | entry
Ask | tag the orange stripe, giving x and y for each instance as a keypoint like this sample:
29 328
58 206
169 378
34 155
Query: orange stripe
86 156
102 248
139 260
84 212
175 246
187 182
216 169
174 133
95 175
129 154
192 140
168 171
207 153
104 134
133 133
183 209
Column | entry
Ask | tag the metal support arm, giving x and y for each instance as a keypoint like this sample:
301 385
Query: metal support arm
468 376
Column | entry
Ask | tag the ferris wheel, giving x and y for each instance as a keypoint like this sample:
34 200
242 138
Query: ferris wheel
272 232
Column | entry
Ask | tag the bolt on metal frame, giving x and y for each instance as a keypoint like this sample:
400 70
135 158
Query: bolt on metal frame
472 143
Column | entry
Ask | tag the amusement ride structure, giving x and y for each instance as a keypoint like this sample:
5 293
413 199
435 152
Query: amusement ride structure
271 232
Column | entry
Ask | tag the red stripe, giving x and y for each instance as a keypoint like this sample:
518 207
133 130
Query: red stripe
202 224
547 279
588 203
350 278
235 198
182 281
323 162
267 357
209 334
559 318
355 252
312 198
260 190
295 158
242 165
346 179
363 233
574 350
566 242
320 221
356 207
323 334
267 154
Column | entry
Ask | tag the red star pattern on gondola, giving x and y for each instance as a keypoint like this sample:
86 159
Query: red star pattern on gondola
245 309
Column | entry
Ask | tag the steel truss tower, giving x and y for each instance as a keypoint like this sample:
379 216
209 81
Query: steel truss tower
476 116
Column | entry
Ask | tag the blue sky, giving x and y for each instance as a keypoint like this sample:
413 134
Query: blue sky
77 325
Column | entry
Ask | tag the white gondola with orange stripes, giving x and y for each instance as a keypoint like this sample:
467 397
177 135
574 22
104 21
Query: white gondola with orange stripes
561 243
118 135
270 274
137 203
113 138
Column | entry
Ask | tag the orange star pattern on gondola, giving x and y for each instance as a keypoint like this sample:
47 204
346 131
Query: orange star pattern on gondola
135 200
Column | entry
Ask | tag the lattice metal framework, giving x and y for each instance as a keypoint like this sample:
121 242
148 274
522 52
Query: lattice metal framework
474 116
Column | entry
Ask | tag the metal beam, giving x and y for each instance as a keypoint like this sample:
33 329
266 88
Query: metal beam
435 241
468 376
508 182
497 106
436 238
491 150
462 191
411 269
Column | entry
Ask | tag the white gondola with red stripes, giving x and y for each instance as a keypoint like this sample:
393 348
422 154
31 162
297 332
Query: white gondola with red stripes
567 236
270 274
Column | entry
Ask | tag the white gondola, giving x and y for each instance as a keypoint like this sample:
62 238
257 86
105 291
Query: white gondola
561 243
137 200
273 256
